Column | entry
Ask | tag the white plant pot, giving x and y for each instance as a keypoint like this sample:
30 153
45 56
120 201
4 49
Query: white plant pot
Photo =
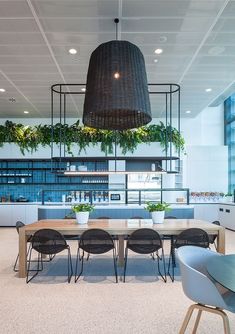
82 217
158 217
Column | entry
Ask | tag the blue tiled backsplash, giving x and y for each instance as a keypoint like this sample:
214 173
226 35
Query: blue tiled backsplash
29 183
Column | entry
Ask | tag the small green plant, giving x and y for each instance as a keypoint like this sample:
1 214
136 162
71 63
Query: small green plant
82 208
228 195
151 207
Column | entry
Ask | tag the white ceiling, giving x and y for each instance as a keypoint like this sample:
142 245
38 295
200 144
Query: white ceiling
197 38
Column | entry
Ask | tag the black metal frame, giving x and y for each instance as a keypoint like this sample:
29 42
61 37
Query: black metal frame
169 90
159 258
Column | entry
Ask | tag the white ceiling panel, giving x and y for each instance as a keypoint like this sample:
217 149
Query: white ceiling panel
197 38
24 50
172 24
18 25
77 39
14 9
179 8
84 25
16 38
76 8
164 38
35 60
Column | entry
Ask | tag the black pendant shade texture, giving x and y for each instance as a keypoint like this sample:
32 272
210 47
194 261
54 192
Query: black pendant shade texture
117 96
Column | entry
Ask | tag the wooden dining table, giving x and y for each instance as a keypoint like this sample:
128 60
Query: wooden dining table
118 227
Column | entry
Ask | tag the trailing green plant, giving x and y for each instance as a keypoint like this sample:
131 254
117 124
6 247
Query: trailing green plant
82 208
28 138
152 207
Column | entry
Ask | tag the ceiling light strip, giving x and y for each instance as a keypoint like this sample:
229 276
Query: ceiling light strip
49 46
203 40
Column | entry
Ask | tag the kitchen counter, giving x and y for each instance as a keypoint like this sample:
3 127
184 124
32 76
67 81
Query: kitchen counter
111 206
114 211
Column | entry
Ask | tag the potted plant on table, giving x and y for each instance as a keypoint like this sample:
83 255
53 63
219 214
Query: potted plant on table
82 212
158 211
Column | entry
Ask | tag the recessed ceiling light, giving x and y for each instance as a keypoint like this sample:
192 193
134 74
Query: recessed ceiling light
26 111
158 51
83 89
188 112
208 90
155 60
72 51
216 50
2 90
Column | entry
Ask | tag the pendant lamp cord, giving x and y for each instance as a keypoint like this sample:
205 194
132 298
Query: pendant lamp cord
116 22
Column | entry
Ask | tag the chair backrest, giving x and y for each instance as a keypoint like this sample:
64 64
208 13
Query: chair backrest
195 279
216 222
48 241
193 237
144 241
96 241
212 237
19 224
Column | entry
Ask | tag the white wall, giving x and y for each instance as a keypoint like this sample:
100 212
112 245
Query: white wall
205 129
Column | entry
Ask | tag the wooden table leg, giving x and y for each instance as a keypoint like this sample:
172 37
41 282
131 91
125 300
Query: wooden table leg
22 253
121 250
221 240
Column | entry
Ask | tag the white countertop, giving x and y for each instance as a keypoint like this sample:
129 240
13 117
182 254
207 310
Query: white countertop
113 206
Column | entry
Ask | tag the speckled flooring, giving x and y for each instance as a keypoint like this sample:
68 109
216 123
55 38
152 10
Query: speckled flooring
96 304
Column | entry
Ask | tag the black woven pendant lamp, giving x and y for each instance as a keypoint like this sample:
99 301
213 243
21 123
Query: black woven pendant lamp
117 96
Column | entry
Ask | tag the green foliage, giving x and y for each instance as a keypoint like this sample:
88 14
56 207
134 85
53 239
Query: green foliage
151 207
82 208
28 138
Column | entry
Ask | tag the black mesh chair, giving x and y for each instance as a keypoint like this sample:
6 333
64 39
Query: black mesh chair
48 242
19 224
145 241
213 237
95 241
190 237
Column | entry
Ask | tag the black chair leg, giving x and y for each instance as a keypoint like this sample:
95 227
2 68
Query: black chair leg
125 263
16 261
70 266
37 270
82 260
162 258
115 263
170 264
